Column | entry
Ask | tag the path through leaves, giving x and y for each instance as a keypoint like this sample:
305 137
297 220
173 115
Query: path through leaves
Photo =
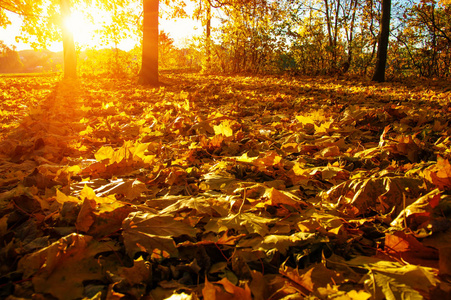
217 187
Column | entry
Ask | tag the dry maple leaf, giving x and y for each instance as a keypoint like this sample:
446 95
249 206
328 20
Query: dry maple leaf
410 249
382 195
440 174
225 290
145 232
313 277
61 268
394 280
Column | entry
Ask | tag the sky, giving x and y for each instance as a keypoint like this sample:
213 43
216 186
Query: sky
180 30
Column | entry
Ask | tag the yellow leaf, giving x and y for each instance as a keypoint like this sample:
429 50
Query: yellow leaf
246 158
323 127
300 171
87 131
290 148
105 152
87 193
305 120
61 198
73 169
223 128
358 295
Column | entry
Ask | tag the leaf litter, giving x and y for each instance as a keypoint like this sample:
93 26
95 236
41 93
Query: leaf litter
216 187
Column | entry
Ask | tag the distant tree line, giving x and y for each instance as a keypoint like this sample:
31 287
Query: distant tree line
333 36
9 59
372 38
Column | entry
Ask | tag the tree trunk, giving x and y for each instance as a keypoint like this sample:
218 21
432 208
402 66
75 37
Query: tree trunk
70 57
149 67
337 13
208 39
328 23
381 59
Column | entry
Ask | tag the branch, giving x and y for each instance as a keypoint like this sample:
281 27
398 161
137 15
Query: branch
21 12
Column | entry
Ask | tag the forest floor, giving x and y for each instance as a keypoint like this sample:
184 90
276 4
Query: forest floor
217 187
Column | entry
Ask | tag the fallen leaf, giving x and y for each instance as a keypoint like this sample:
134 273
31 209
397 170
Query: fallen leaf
440 174
61 268
144 232
224 289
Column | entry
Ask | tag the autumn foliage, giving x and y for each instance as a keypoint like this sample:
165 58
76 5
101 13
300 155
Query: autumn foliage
216 187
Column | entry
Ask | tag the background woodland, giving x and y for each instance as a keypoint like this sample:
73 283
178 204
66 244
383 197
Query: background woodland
314 37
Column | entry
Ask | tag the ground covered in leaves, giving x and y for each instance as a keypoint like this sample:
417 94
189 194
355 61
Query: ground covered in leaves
215 187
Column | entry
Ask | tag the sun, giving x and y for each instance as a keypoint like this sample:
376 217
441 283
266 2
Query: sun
82 29
87 30
89 23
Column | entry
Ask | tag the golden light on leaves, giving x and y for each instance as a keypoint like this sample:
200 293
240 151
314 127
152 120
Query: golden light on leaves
140 188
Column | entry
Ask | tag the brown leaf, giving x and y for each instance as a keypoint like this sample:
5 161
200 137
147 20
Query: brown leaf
407 247
281 197
330 151
394 279
419 214
440 174
445 261
146 232
314 277
131 189
227 291
382 195
107 222
259 286
86 217
139 273
61 268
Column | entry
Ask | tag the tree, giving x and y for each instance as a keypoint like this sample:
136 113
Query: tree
9 59
204 14
427 38
165 49
208 38
18 7
38 17
70 57
382 47
149 68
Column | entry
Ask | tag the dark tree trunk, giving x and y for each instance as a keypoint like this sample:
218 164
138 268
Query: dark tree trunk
70 57
208 39
149 66
381 59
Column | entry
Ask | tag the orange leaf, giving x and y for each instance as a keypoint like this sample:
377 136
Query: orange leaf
316 276
280 197
228 291
440 174
410 249
86 215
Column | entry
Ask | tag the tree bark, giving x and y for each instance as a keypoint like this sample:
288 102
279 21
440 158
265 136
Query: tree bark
70 57
208 39
149 67
381 58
